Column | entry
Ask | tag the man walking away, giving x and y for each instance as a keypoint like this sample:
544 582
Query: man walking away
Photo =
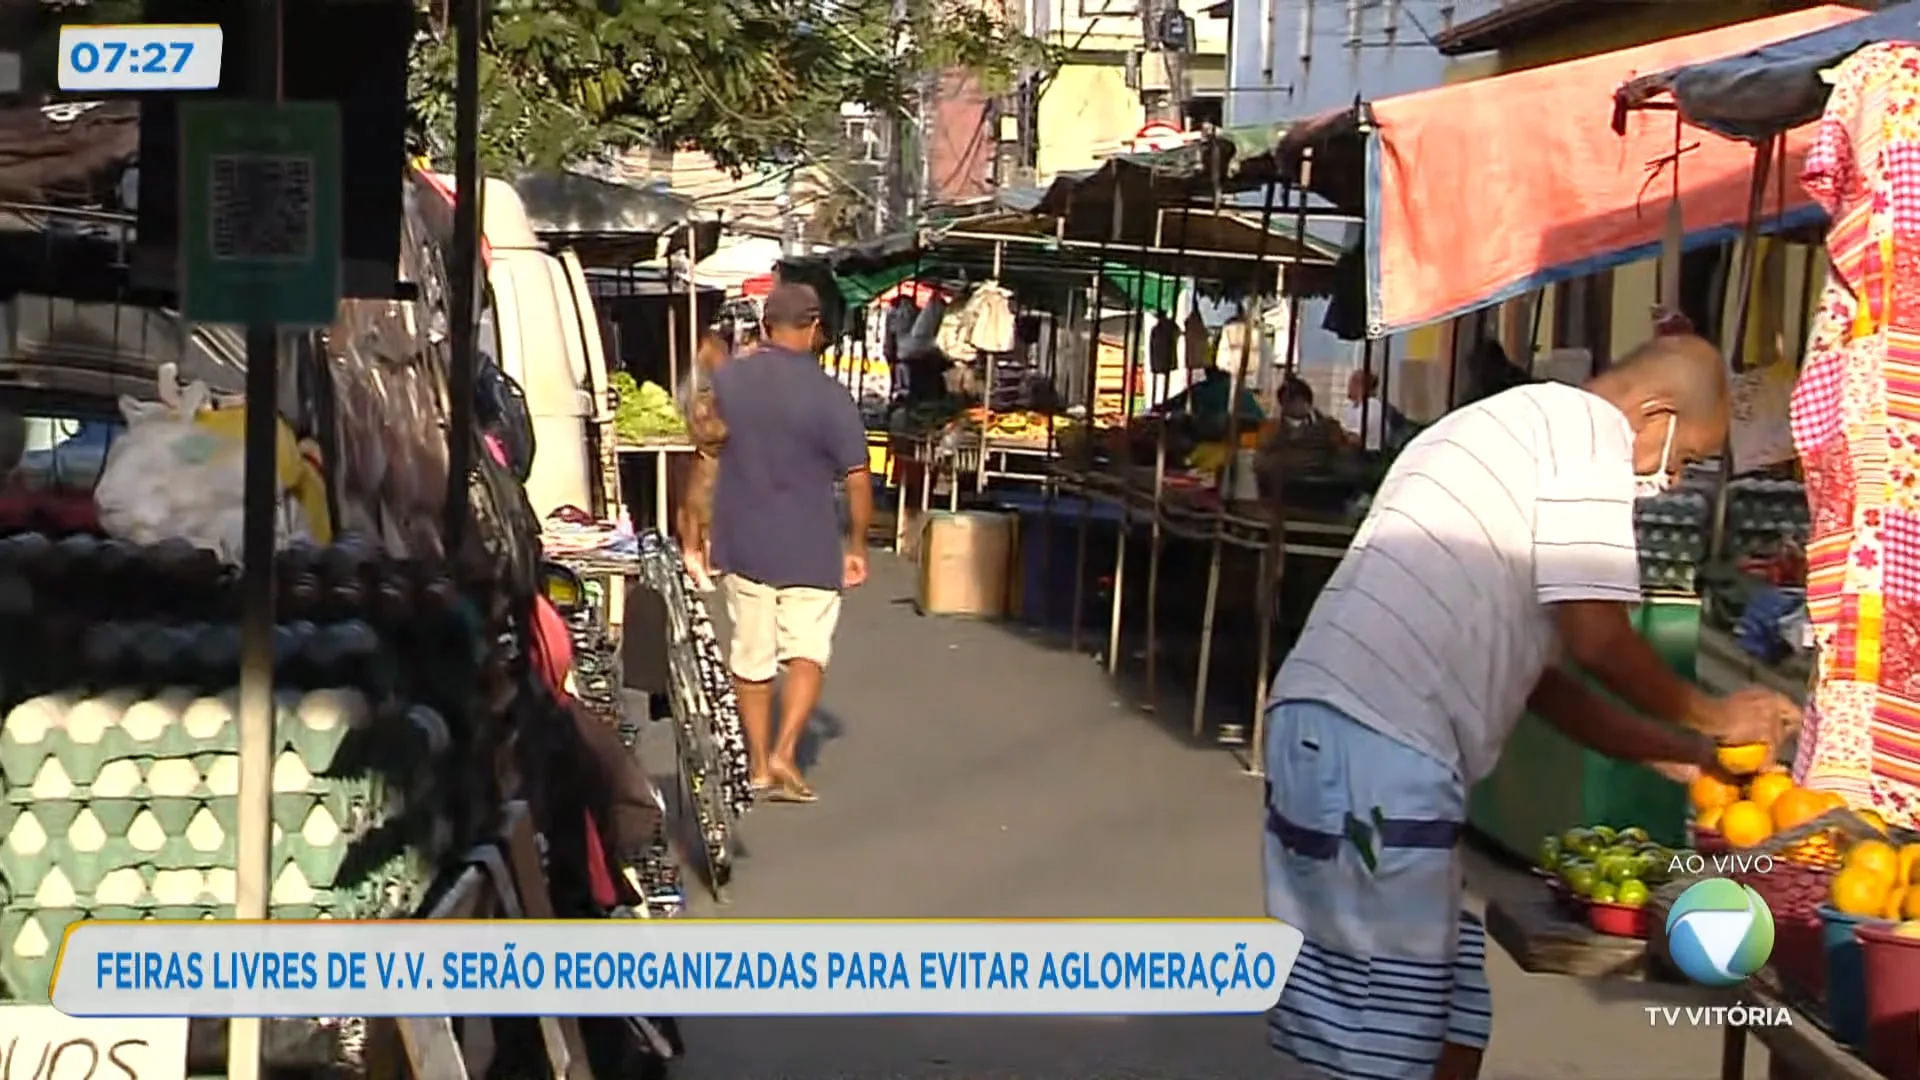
792 432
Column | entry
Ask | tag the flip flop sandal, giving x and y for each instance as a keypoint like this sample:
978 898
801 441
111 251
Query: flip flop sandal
791 789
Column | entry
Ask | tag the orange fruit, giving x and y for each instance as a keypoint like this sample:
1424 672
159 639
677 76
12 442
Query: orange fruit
1909 862
1707 792
1875 856
1873 819
1745 824
1746 758
1795 807
1897 901
1768 787
1709 818
1859 891
1830 801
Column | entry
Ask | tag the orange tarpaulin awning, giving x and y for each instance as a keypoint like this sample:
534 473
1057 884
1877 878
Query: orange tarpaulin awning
1482 191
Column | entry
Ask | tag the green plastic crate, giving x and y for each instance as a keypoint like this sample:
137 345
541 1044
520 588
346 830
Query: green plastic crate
1546 783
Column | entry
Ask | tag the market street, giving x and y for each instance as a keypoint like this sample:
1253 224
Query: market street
966 771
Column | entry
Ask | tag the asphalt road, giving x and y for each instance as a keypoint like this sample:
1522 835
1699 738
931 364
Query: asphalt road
965 770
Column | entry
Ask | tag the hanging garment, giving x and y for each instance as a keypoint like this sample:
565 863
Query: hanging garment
1856 427
1199 343
1163 345
924 337
954 338
990 319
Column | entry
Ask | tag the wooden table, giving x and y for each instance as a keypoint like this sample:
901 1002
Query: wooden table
1544 941
1805 1048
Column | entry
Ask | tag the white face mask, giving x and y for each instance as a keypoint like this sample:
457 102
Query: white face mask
1661 479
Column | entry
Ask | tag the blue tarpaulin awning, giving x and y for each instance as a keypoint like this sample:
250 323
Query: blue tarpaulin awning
1765 91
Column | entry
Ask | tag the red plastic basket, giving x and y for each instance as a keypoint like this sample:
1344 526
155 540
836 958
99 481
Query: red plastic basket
1618 920
1892 968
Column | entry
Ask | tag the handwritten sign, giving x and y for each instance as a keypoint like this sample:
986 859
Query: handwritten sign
39 1042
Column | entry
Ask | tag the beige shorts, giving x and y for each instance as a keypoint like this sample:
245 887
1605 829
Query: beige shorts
773 626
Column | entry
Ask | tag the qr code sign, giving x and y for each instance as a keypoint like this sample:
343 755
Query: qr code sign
262 207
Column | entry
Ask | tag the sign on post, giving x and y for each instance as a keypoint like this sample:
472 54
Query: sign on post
42 1041
260 212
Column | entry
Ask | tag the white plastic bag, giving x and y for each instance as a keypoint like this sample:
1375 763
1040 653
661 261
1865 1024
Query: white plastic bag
169 477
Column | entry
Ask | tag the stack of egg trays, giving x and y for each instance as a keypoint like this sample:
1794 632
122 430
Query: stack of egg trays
138 821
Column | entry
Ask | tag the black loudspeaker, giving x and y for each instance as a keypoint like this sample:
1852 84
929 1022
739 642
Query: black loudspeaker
350 52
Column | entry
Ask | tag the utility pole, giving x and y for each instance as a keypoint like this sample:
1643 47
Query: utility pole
1168 35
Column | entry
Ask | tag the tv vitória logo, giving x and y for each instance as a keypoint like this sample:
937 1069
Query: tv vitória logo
1719 932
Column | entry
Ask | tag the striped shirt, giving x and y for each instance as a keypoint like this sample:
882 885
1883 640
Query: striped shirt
1435 627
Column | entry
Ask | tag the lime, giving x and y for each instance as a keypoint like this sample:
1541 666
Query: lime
1550 854
1605 833
1604 892
1632 894
1636 835
1581 879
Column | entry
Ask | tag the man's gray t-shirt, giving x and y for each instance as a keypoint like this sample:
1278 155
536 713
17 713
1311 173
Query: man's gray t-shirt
792 432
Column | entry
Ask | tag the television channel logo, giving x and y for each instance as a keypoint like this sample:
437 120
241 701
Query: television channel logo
1719 932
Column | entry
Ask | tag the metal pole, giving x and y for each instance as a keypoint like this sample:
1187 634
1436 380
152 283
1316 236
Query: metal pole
1157 540
1093 414
1130 341
260 498
467 189
1229 473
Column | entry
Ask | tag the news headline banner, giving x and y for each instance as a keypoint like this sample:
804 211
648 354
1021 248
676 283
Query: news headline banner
680 968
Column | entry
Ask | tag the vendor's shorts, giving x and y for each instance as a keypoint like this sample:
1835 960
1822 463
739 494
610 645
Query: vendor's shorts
1361 857
774 626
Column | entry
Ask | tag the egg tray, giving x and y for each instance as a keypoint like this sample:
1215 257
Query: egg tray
331 732
25 977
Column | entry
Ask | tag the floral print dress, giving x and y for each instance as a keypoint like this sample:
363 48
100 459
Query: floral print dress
1856 426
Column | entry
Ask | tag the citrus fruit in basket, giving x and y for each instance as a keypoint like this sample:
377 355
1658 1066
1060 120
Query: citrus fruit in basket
1795 807
1746 758
1876 856
1896 902
1873 819
1767 788
1745 824
1909 862
1707 792
1860 891
1709 818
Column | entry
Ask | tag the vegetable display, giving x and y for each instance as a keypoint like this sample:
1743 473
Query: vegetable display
644 411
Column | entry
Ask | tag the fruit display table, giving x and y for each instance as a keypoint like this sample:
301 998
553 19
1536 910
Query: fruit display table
1546 783
1802 1050
1544 941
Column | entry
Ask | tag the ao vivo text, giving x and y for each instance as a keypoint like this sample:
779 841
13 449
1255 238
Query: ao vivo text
1720 863
1719 1016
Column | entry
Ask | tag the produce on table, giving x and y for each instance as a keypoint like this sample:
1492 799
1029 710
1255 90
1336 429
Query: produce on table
1768 804
1606 865
1878 881
644 411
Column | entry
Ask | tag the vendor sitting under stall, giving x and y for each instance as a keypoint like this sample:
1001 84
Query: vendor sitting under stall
1207 401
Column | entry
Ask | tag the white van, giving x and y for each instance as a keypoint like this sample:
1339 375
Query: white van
538 323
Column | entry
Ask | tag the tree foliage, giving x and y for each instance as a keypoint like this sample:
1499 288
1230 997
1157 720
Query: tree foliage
749 81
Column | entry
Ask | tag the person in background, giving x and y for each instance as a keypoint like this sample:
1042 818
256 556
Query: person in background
1365 416
1500 546
704 428
793 432
1209 399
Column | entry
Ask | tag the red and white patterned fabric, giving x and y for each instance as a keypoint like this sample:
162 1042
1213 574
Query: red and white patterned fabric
1856 425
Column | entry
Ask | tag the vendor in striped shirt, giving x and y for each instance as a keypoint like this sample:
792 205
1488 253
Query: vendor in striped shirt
1498 556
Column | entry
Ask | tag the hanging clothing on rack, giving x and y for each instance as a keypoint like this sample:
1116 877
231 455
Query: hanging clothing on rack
1856 427
989 313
